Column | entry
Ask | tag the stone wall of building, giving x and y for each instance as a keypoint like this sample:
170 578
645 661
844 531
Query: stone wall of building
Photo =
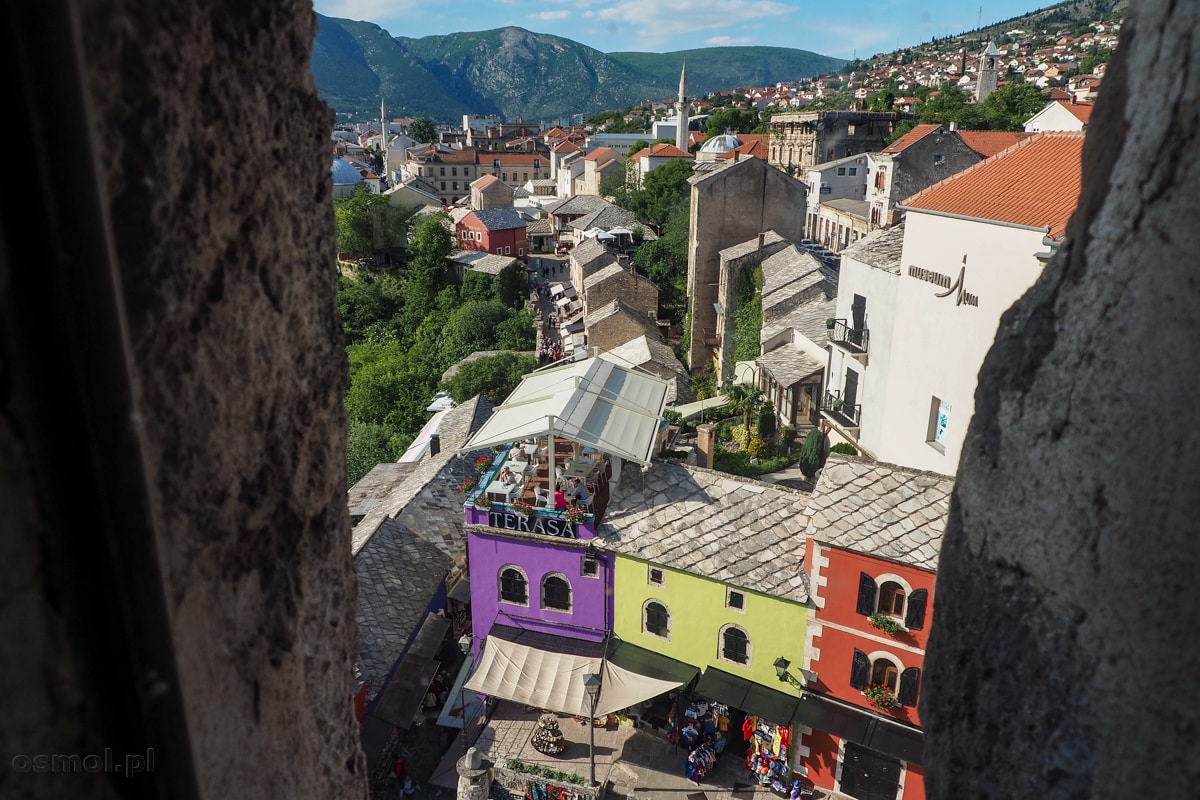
1062 658
728 207
214 188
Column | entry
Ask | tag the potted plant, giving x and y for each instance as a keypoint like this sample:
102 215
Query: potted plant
466 486
574 515
521 508
483 464
483 503
830 322
884 623
880 697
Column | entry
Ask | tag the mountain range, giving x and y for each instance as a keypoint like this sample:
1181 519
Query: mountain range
518 74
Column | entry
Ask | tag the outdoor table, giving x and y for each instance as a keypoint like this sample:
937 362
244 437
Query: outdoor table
530 448
579 468
506 490
517 465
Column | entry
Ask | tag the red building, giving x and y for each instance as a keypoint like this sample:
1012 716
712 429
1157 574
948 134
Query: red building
874 535
498 230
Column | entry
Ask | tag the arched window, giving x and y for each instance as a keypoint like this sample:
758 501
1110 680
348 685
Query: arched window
556 593
735 645
656 620
884 673
514 588
891 599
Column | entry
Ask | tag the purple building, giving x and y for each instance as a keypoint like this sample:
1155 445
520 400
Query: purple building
539 582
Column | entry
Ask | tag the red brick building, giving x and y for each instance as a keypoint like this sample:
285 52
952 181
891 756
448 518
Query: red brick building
499 230
874 535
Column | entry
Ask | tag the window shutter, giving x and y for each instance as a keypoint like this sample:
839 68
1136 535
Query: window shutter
866 594
860 670
914 618
909 679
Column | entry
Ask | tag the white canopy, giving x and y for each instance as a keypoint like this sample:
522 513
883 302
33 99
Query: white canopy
621 232
594 402
554 681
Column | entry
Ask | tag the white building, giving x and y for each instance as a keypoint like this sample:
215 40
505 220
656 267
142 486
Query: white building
843 179
1060 115
909 337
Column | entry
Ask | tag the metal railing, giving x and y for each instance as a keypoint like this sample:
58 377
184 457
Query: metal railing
856 340
846 415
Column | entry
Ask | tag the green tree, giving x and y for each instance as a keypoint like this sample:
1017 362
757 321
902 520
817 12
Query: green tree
422 130
494 376
664 262
1008 108
369 304
731 120
812 453
425 274
474 326
663 189
882 101
368 223
744 399
367 445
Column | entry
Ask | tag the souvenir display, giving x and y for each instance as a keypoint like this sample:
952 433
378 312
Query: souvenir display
547 737
767 753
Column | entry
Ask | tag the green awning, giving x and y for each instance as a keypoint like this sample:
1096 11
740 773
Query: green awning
861 726
753 698
647 662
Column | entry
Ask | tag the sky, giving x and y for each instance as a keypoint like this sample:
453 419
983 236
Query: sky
843 30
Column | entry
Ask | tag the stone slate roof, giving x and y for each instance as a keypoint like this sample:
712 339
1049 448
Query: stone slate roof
591 255
375 486
799 292
615 306
427 501
882 510
855 208
879 249
539 227
609 218
578 205
615 270
735 530
398 574
644 351
771 241
500 219
479 261
788 366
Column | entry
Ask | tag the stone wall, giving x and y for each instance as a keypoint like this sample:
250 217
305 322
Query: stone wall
214 155
1062 659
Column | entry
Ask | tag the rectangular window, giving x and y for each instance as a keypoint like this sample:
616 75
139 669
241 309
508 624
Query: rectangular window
504 177
656 576
508 249
520 251
939 421
499 251
589 567
841 170
456 186
478 236
735 599
454 171
442 170
443 186
524 177
852 171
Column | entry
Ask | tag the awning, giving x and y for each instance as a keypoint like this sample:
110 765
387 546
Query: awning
858 725
462 590
594 402
647 662
401 698
753 698
554 681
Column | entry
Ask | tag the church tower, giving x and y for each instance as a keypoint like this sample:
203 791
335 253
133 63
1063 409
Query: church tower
989 68
681 109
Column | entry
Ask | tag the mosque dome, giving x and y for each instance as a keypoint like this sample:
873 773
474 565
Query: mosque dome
344 174
721 144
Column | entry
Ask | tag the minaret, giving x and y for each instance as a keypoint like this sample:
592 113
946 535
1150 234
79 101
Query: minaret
681 108
383 124
986 80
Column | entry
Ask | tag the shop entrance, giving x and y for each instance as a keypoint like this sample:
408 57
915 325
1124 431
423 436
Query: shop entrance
868 775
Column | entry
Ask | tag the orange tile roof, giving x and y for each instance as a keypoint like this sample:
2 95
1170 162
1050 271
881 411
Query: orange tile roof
912 137
662 150
1035 182
485 181
755 149
600 153
565 147
1082 111
989 143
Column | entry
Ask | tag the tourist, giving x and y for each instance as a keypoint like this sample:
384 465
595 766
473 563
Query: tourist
560 500
580 495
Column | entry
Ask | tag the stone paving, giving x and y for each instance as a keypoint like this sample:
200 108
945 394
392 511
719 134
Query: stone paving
632 763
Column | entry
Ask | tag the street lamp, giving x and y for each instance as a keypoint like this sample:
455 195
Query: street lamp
591 685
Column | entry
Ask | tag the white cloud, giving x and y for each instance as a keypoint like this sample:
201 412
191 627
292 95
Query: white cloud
547 16
668 18
369 10
725 41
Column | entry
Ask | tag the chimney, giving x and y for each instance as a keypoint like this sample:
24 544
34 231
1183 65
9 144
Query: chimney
706 438
953 126
435 444
762 239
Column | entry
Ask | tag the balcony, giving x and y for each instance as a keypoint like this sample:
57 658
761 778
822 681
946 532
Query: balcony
856 341
711 338
844 415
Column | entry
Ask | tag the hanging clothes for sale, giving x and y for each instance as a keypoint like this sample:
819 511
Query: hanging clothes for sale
699 762
767 756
